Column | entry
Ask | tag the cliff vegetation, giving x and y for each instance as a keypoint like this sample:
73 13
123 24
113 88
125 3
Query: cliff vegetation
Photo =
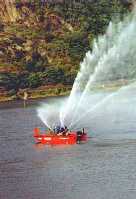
42 42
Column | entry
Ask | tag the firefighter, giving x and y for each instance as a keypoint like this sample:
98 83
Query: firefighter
79 135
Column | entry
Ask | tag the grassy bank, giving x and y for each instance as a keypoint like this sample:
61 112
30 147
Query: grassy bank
41 92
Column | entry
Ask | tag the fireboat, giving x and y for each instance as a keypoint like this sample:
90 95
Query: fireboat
60 135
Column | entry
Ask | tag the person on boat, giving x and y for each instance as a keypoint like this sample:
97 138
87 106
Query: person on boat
57 129
60 130
79 135
64 131
66 128
83 131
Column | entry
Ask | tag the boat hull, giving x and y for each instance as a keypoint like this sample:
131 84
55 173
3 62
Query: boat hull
53 139
56 139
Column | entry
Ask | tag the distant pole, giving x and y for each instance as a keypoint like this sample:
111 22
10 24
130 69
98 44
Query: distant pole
25 98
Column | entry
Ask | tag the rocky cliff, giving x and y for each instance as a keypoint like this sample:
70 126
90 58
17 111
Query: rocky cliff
8 11
43 41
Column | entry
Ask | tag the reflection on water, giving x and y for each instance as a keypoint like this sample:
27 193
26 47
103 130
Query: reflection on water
102 168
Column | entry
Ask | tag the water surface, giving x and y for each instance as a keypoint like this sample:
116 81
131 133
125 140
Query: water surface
104 168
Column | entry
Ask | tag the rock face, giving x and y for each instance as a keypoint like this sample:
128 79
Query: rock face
8 12
43 41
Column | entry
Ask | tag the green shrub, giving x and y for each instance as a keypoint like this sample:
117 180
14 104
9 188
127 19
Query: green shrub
53 75
36 64
9 81
78 45
34 80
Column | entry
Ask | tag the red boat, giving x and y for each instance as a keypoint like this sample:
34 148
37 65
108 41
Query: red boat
53 139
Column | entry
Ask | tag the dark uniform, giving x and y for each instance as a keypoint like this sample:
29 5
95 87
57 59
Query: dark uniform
79 134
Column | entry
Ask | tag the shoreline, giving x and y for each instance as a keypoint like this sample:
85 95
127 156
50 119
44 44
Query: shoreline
36 94
44 92
19 103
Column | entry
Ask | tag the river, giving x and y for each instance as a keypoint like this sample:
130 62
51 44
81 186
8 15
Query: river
103 168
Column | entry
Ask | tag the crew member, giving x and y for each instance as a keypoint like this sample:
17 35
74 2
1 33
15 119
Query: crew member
57 129
79 135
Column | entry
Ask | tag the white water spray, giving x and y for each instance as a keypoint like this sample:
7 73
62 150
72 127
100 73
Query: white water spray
111 63
116 61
